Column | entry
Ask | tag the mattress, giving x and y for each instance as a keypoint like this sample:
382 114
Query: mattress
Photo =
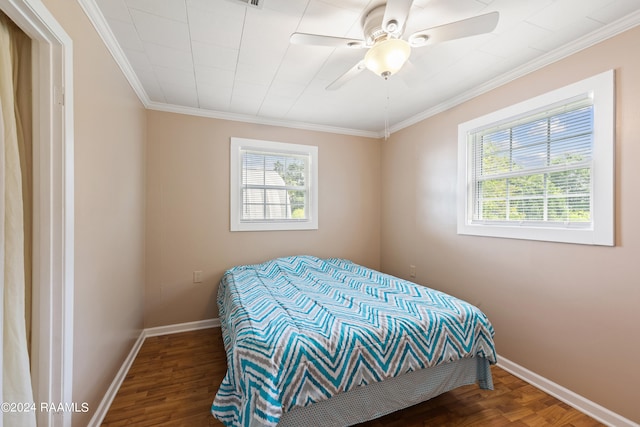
299 330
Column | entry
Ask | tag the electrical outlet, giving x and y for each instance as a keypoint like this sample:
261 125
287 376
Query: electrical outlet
412 271
197 276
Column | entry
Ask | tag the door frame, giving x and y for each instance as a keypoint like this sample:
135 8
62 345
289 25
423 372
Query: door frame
53 212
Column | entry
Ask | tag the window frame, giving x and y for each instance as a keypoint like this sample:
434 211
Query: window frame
601 89
237 146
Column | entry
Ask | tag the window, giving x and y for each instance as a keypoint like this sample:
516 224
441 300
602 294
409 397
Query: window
274 186
542 169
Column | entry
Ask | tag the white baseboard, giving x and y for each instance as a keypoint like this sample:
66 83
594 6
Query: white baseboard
565 395
107 400
101 412
561 393
182 327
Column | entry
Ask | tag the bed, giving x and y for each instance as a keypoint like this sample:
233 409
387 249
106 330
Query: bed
327 339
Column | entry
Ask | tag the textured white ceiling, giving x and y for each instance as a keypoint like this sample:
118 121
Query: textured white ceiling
222 58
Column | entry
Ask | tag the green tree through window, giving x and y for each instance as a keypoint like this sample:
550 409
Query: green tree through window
292 172
536 171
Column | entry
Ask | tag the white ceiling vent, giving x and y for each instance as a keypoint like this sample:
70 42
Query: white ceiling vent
253 3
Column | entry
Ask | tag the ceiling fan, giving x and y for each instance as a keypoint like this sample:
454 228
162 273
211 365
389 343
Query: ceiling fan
383 28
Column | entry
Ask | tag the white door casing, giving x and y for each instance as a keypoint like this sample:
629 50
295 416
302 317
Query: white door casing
53 213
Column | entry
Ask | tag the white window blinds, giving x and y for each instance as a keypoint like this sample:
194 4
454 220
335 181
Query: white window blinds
274 186
542 169
537 169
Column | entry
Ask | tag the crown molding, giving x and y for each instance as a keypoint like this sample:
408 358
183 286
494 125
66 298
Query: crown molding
104 31
200 112
617 27
99 22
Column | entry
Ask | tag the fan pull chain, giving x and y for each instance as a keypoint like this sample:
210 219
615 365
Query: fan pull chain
387 133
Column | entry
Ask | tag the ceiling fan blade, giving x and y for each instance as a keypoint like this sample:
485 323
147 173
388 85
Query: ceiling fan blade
456 30
320 40
395 16
351 73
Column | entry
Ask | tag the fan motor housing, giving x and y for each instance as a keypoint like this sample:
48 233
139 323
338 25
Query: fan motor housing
372 25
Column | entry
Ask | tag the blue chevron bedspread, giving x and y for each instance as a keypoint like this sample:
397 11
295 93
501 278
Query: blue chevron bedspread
299 330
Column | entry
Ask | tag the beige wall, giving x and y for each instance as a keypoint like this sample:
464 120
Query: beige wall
110 127
188 210
574 322
567 312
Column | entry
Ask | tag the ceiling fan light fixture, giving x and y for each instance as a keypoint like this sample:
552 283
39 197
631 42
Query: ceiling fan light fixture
387 57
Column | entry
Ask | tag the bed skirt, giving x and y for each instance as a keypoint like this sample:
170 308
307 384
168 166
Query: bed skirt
378 399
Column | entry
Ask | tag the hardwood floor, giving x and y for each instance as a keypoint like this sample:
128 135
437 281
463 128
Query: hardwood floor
174 378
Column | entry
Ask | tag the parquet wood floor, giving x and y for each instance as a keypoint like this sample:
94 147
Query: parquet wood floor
174 378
